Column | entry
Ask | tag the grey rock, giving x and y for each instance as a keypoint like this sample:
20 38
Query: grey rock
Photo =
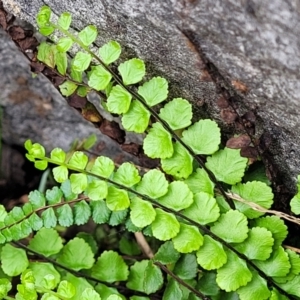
251 41
34 109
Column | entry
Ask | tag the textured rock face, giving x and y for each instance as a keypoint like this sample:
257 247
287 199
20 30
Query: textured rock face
33 108
248 50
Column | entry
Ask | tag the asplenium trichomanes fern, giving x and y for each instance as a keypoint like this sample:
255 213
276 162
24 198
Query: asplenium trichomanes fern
215 240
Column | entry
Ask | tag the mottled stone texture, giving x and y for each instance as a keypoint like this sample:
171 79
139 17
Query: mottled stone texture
252 41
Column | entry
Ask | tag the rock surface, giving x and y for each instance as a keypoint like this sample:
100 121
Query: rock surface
247 51
34 109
